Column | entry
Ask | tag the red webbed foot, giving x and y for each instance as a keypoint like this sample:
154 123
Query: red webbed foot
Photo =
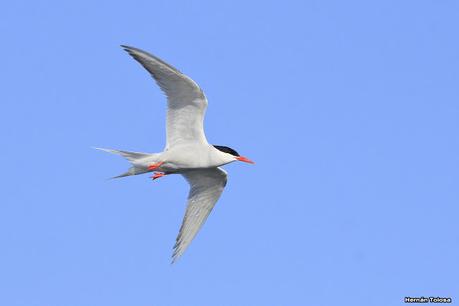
157 175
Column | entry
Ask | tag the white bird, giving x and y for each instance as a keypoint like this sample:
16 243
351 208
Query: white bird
187 151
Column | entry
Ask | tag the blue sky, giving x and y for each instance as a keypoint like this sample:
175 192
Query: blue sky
349 108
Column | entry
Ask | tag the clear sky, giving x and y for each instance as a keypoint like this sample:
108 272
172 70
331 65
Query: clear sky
349 108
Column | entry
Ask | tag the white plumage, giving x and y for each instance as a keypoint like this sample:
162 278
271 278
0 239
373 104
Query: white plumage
187 151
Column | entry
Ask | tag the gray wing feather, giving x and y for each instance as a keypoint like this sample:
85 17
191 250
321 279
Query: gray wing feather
186 101
206 186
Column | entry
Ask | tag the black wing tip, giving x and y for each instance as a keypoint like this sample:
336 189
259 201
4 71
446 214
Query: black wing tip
130 50
175 256
137 53
177 250
126 47
133 51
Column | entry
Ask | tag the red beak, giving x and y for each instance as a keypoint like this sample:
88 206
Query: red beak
244 159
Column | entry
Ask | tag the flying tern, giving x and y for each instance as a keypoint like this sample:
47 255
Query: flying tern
187 151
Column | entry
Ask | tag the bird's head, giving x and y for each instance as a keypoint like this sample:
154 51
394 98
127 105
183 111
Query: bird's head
234 154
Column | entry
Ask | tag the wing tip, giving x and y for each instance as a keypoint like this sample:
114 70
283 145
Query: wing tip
136 53
175 256
131 50
126 47
140 54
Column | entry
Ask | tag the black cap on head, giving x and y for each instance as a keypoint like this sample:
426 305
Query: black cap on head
227 150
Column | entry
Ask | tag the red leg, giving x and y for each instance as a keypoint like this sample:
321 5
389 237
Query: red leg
155 166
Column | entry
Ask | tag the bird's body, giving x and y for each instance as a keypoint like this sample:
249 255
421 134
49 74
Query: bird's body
187 151
184 157
178 159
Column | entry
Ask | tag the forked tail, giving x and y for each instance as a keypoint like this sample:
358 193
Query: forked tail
135 158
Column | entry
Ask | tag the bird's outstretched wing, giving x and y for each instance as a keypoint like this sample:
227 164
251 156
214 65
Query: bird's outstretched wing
185 100
206 186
